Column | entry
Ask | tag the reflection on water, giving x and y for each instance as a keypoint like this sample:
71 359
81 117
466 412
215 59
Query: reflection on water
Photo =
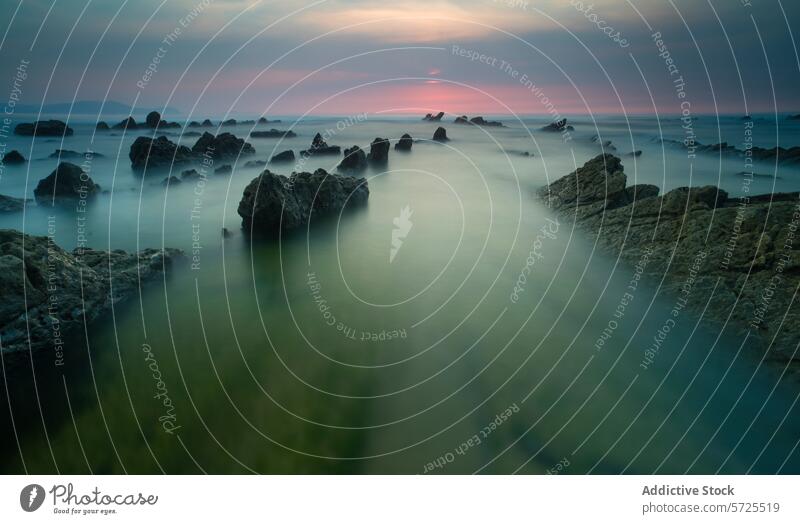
322 352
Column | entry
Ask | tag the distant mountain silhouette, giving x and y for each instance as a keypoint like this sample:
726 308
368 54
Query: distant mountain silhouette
92 107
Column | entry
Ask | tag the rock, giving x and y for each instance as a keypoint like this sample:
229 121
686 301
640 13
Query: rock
226 233
224 145
44 128
13 157
257 163
171 180
207 123
320 147
228 123
794 117
432 118
273 202
746 118
405 143
152 119
636 153
558 126
128 123
273 133
190 134
479 121
461 120
68 153
191 174
47 290
440 135
157 153
193 123
781 155
66 184
354 160
223 170
102 126
262 120
10 204
701 238
284 156
379 151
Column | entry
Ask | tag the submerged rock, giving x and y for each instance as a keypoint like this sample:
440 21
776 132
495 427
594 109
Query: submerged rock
32 276
273 133
354 159
379 151
405 143
320 147
171 181
256 163
283 156
558 126
66 184
68 153
701 240
44 128
13 157
273 202
440 135
10 204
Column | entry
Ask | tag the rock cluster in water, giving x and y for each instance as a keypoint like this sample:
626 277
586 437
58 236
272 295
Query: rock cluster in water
161 152
273 133
44 128
320 147
48 292
273 202
745 252
558 126
434 118
478 121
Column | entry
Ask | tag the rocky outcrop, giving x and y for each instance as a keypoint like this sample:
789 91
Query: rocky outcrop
320 147
440 135
434 118
478 121
780 155
224 145
229 122
13 157
379 151
128 123
282 157
354 160
157 153
263 120
273 202
44 128
273 133
743 251
48 293
11 205
405 143
66 184
152 119
102 126
559 126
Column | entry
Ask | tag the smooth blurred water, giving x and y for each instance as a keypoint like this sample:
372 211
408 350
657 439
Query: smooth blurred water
425 351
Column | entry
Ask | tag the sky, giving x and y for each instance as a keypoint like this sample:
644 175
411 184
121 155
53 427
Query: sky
342 57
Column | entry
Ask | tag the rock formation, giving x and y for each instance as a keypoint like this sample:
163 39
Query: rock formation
354 159
81 281
379 151
558 126
405 143
320 147
66 184
224 145
156 153
273 133
13 157
44 128
283 156
273 202
10 204
431 118
440 135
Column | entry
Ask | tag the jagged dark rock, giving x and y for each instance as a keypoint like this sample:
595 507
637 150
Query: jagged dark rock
102 126
82 281
283 156
440 135
13 157
157 153
730 247
379 151
224 145
405 143
431 118
461 120
273 202
66 184
128 123
44 128
354 160
273 133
